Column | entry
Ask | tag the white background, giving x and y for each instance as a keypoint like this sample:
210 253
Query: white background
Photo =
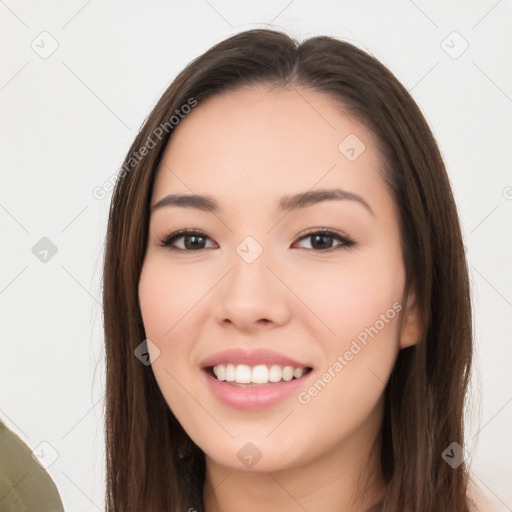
68 120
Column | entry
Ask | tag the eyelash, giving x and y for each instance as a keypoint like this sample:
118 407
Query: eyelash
346 242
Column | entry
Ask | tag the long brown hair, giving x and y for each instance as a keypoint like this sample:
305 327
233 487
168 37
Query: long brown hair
152 464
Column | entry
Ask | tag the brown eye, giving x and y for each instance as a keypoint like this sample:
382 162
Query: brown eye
323 240
185 241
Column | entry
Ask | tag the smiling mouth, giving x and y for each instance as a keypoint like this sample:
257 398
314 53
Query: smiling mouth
256 376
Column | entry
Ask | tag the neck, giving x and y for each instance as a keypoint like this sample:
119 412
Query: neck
346 479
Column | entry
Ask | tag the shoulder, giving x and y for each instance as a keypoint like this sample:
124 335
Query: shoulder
481 500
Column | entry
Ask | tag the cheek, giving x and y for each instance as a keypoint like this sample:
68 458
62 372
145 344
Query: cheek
360 304
168 297
347 298
363 309
168 303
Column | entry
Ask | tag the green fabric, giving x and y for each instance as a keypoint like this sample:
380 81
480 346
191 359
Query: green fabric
25 486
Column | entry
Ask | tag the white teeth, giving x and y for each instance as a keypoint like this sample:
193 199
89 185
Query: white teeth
230 372
243 374
287 373
259 374
220 372
275 373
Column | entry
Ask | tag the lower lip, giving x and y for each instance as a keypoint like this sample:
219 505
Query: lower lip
254 398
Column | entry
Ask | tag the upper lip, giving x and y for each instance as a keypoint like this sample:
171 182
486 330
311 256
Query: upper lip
254 357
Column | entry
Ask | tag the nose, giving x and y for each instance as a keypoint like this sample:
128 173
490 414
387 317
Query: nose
251 297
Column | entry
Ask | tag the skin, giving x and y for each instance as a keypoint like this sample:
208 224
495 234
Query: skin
247 149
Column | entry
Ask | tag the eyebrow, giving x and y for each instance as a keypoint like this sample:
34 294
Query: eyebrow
286 204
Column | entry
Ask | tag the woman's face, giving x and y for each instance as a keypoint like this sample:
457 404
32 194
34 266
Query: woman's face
260 281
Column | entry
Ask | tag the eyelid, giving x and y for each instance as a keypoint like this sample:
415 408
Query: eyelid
166 240
331 232
345 240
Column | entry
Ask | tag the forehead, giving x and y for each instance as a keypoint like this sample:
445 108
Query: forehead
256 139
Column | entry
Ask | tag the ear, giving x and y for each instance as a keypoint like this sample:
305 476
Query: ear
410 329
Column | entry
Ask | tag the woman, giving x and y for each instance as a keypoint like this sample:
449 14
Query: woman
284 249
